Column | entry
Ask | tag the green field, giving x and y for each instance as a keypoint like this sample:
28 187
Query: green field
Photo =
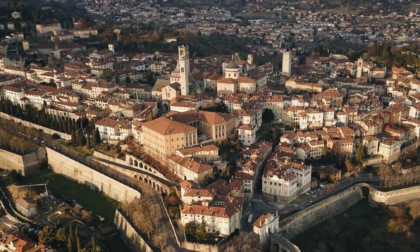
94 201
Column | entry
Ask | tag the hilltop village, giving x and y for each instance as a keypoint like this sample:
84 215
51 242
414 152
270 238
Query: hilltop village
221 128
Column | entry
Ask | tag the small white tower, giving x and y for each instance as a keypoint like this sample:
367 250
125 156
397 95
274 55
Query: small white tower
111 47
359 68
184 69
250 59
287 63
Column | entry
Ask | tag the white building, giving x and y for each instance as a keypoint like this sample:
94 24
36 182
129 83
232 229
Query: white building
266 224
113 129
390 150
222 219
284 180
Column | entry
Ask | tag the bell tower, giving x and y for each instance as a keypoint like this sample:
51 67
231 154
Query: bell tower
359 68
184 69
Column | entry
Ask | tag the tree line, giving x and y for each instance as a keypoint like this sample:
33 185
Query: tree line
82 130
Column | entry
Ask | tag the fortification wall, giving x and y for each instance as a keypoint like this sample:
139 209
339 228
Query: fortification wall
319 212
155 182
129 234
23 164
36 126
396 196
68 167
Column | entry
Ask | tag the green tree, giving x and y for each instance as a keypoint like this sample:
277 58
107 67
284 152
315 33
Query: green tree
69 243
60 235
238 145
88 144
98 137
73 138
79 248
201 233
359 156
349 166
190 228
46 235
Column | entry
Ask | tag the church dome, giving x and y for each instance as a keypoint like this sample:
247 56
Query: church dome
232 65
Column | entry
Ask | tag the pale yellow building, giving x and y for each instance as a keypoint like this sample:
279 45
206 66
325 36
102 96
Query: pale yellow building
162 137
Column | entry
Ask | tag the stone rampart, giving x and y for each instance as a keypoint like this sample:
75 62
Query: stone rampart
23 164
36 126
319 212
129 234
395 196
158 184
70 168
199 247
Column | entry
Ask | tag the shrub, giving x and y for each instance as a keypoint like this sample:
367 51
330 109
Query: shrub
55 136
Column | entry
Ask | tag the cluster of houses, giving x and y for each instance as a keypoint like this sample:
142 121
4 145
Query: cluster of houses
274 24
172 122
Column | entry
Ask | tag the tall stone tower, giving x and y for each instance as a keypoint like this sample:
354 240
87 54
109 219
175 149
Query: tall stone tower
287 63
184 69
359 68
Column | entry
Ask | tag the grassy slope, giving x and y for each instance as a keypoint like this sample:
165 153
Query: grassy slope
93 201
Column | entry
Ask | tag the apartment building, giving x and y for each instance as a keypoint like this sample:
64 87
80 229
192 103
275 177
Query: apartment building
162 137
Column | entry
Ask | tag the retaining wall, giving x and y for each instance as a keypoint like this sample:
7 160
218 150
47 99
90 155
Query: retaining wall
319 212
68 167
395 196
24 164
36 126
158 184
336 204
129 234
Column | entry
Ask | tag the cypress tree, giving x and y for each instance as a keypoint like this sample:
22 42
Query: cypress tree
79 249
69 244
73 138
88 144
69 126
93 244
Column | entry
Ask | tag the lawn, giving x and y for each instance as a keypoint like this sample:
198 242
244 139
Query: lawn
94 201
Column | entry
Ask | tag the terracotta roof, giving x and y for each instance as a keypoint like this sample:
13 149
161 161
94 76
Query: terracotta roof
261 220
166 126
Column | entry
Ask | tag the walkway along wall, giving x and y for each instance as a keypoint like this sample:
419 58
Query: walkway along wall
24 164
70 168
161 185
129 234
36 126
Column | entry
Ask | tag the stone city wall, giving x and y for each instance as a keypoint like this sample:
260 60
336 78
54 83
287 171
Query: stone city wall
36 126
395 196
129 234
319 212
70 168
24 164
336 204
158 184
132 162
